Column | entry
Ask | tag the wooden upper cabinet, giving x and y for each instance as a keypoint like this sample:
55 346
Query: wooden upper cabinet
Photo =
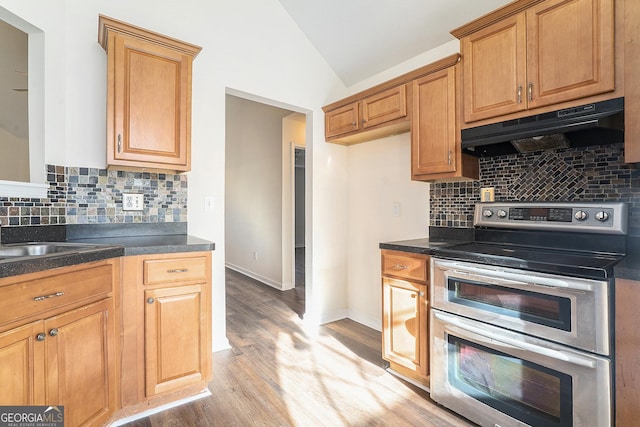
148 97
384 107
372 114
534 53
570 51
495 69
436 154
342 120
433 148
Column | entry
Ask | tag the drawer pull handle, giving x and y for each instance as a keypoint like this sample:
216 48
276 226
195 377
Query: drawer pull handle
44 297
178 270
400 267
54 332
40 337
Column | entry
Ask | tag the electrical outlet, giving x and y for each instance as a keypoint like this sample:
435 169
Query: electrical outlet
255 255
132 202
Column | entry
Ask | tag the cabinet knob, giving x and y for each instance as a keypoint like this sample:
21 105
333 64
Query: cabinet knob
150 300
40 337
54 332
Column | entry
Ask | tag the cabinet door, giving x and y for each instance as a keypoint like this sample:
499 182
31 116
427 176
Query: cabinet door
384 106
79 345
151 105
433 137
494 61
174 338
404 324
342 120
22 366
570 52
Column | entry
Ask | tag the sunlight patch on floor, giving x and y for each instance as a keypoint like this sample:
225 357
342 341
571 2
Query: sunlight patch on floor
324 364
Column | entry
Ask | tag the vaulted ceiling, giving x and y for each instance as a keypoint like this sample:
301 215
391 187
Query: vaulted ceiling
360 38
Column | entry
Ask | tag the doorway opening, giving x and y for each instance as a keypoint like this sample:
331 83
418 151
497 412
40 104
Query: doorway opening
265 194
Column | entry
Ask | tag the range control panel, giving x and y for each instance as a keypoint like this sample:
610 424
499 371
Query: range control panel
590 217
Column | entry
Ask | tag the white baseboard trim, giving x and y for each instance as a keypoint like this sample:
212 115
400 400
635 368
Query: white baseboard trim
365 320
161 408
332 316
219 345
255 276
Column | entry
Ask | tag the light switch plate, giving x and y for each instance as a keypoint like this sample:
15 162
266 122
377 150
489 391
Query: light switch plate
132 201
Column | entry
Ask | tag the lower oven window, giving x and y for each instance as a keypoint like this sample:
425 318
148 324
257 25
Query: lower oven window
543 309
526 391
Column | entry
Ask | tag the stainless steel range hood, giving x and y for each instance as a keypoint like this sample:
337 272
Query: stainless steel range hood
591 124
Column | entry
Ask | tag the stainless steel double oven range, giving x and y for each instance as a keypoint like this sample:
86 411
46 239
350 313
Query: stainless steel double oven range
522 318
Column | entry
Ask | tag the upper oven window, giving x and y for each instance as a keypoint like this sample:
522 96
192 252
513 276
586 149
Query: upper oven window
543 309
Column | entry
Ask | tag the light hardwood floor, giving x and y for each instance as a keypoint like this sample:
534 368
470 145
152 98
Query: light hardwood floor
278 373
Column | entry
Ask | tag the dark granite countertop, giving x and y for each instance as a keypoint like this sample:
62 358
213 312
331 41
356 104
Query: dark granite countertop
142 245
24 265
111 240
438 237
419 246
628 268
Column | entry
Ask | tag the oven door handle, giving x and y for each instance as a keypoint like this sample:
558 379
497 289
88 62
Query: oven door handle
523 278
498 340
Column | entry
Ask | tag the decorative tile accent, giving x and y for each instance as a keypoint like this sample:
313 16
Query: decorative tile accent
591 174
80 195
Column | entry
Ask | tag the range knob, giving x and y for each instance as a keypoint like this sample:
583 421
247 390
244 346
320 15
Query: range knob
581 215
487 213
602 216
502 213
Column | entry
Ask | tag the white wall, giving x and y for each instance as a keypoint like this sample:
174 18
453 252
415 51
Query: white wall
253 195
248 45
379 176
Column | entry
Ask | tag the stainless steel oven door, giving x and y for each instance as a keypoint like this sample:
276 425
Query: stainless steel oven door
567 310
496 377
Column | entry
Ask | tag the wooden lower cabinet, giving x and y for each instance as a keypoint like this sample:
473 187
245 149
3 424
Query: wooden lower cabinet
405 314
627 363
22 366
166 343
174 319
79 373
63 355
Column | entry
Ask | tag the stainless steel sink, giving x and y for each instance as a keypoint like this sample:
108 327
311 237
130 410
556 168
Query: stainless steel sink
41 249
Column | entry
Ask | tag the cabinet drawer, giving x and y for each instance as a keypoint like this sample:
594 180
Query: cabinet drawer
405 266
25 299
157 271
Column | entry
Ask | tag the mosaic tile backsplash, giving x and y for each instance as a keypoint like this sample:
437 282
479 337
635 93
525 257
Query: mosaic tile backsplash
80 195
593 174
